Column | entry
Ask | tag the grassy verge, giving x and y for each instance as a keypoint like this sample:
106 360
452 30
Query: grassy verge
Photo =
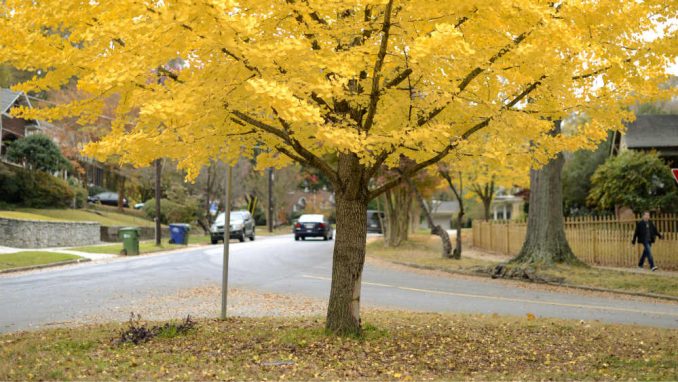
102 216
144 246
29 258
395 346
283 230
424 251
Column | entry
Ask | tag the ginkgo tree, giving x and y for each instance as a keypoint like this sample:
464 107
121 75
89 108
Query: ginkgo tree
347 87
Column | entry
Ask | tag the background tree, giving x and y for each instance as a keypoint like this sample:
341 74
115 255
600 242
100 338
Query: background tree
322 83
634 179
545 243
38 152
576 177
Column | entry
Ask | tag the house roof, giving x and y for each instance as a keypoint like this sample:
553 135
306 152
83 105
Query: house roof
652 131
444 208
7 99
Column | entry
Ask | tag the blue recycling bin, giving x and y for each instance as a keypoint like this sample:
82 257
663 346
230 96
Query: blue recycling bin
179 233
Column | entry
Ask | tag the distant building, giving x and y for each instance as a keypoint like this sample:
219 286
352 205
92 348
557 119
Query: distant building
650 132
507 207
11 127
443 212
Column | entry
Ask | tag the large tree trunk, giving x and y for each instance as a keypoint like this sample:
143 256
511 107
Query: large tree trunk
545 243
343 311
398 203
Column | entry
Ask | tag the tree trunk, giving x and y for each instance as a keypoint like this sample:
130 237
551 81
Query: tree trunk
435 229
121 192
457 194
487 203
460 216
545 243
343 311
398 203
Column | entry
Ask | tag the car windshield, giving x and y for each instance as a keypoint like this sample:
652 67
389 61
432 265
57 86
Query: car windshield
236 217
311 219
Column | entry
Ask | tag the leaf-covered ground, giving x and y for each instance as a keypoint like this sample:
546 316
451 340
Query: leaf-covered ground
423 250
395 346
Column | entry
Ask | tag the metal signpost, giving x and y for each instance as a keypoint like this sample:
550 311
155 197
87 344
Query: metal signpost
227 237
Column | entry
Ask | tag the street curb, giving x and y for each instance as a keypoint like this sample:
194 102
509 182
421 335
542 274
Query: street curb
571 286
41 266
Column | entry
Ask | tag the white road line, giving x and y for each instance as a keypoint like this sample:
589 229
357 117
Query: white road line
509 299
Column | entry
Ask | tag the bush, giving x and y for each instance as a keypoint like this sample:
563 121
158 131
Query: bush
79 194
10 191
39 152
639 180
171 212
42 190
33 189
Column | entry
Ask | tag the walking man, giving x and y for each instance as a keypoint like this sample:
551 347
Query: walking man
645 234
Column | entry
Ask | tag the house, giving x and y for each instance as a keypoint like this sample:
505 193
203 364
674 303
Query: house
650 132
507 206
13 128
443 212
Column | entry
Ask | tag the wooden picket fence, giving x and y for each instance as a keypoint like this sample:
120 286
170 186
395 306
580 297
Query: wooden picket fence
603 241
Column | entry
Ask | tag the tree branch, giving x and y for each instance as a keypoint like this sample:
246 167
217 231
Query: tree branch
378 65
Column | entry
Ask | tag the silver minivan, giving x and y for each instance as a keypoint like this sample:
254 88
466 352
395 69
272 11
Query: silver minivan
242 226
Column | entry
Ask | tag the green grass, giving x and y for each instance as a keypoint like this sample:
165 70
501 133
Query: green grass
424 251
610 279
262 230
147 246
103 217
29 258
26 216
394 346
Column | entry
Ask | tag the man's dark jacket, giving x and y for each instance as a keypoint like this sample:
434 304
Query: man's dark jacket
641 231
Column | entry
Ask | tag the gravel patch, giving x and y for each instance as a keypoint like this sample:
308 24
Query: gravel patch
206 302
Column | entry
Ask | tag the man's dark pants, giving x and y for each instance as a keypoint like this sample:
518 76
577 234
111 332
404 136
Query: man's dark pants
647 252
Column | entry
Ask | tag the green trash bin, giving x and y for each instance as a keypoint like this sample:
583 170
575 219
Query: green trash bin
130 240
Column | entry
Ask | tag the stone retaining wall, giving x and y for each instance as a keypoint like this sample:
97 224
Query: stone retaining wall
19 233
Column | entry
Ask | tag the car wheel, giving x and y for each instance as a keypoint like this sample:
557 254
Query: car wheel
241 238
303 238
296 238
214 241
326 237
252 236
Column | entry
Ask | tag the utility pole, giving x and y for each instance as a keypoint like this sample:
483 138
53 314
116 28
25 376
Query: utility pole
158 171
227 239
270 200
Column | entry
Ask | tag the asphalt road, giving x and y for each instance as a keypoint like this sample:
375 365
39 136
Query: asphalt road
281 265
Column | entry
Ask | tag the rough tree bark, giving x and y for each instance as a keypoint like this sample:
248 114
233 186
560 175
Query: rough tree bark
435 229
343 311
546 243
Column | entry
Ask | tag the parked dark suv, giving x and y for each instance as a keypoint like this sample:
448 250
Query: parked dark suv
107 198
242 226
313 226
374 221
